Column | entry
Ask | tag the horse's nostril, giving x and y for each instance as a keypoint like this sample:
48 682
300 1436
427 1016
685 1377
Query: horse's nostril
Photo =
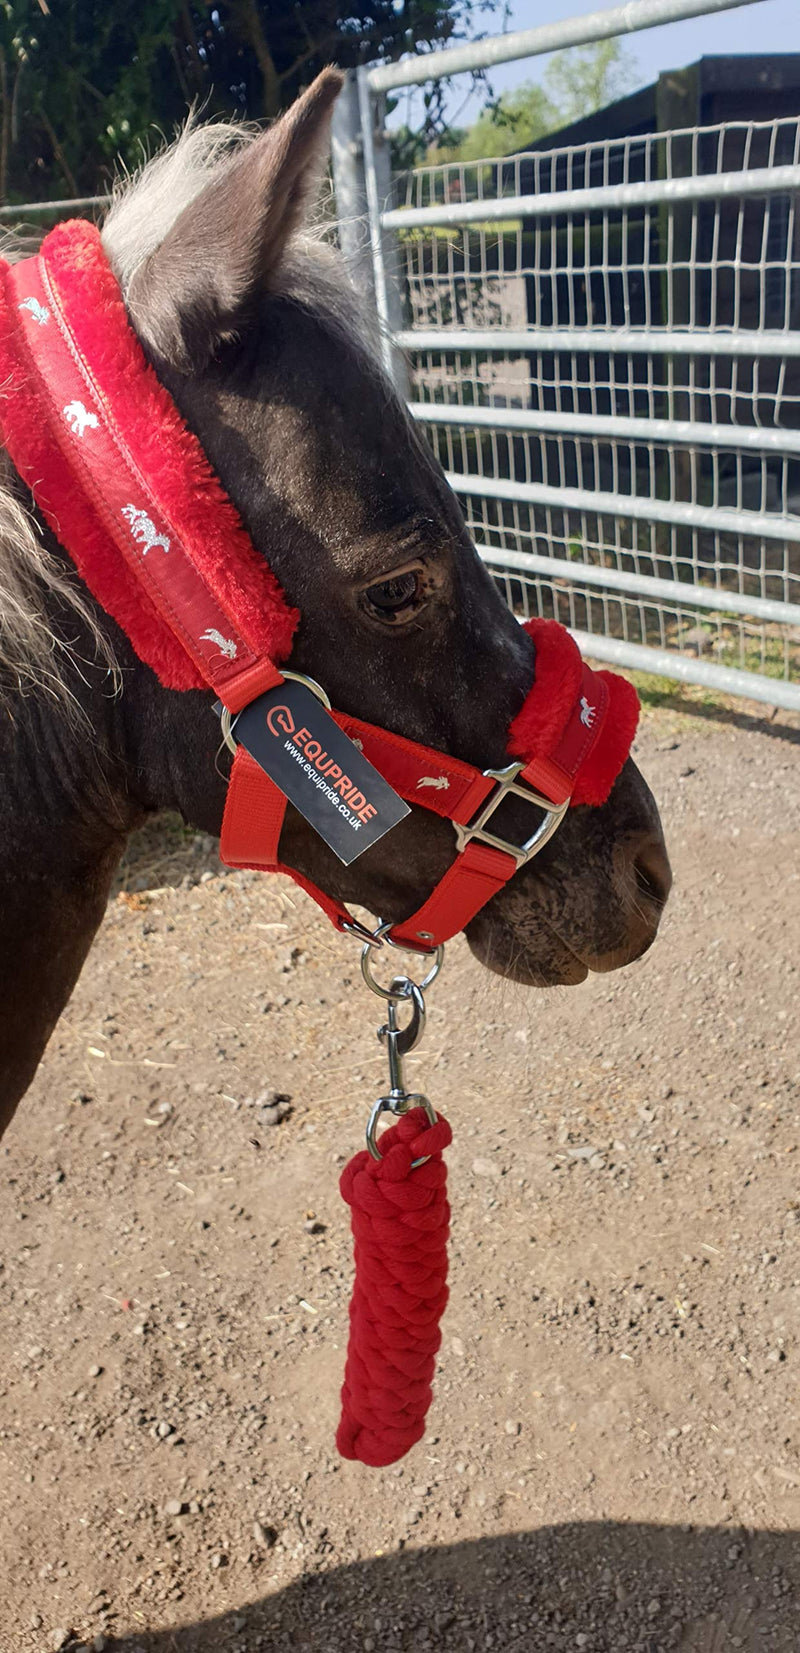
653 873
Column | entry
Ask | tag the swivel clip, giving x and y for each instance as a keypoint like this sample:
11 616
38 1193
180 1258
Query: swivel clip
399 1041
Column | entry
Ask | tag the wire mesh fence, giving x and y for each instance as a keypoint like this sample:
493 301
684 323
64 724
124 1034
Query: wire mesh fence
605 351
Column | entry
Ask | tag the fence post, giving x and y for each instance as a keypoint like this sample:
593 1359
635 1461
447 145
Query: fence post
350 188
383 243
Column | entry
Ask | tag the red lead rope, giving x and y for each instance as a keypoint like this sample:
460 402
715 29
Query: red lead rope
400 1219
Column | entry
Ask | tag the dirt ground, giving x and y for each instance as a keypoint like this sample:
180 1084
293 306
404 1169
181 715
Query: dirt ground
613 1454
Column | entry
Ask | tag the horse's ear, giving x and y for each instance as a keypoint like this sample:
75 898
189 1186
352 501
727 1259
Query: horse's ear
202 282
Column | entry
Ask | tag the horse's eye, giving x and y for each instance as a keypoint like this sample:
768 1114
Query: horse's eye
389 597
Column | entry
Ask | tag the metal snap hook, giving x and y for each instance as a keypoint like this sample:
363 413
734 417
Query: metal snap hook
398 1105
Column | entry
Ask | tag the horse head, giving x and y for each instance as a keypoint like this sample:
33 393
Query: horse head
250 324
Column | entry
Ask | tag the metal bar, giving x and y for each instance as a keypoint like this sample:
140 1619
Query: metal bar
352 221
607 197
646 587
550 37
754 524
617 341
613 426
685 669
365 105
36 209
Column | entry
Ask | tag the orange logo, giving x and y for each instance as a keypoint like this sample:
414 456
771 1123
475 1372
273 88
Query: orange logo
280 721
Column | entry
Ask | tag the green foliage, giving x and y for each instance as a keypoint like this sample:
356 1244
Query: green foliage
84 80
587 78
576 83
508 124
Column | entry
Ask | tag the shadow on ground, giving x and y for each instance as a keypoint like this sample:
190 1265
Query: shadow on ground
604 1588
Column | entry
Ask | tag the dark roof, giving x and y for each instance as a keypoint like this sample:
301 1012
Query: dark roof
728 88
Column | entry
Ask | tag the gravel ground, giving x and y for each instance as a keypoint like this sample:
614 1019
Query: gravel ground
613 1455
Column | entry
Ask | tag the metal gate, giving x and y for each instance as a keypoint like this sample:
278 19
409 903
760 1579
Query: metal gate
603 344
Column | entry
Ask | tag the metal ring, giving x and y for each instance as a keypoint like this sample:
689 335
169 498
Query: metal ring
384 1105
351 927
310 683
228 719
382 935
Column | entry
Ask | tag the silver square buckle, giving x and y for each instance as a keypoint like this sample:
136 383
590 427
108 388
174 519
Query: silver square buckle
507 782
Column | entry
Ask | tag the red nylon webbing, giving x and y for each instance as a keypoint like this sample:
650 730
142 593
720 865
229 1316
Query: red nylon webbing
474 877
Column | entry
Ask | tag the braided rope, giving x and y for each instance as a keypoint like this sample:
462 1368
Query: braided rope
400 1220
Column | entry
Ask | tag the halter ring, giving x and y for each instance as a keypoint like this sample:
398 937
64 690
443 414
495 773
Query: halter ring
381 936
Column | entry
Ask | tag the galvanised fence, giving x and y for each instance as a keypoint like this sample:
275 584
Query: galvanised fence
603 345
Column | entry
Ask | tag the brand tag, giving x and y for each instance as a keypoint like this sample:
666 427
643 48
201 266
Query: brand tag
319 769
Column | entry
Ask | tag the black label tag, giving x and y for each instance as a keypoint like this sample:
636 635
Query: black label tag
320 770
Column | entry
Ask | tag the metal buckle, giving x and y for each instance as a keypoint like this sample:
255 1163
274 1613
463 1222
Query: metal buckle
506 782
228 719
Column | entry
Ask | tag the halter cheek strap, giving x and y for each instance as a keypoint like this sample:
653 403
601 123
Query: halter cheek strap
129 493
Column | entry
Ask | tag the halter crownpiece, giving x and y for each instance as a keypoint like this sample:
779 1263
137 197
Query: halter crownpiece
127 489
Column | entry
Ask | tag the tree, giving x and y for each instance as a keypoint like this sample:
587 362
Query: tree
585 79
576 83
509 123
82 81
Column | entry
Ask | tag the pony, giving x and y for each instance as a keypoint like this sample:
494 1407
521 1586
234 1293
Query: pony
248 319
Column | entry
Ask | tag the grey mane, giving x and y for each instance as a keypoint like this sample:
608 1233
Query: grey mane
143 209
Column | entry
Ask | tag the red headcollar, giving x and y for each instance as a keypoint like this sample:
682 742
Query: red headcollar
130 494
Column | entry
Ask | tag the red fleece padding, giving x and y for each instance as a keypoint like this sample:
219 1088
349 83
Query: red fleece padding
539 726
167 451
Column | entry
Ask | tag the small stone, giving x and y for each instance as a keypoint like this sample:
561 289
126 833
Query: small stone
312 1225
653 1607
273 1107
485 1168
512 1426
95 1371
163 1429
265 1536
218 1560
59 1639
175 1506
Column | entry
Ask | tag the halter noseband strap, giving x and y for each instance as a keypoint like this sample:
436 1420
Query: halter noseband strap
127 489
